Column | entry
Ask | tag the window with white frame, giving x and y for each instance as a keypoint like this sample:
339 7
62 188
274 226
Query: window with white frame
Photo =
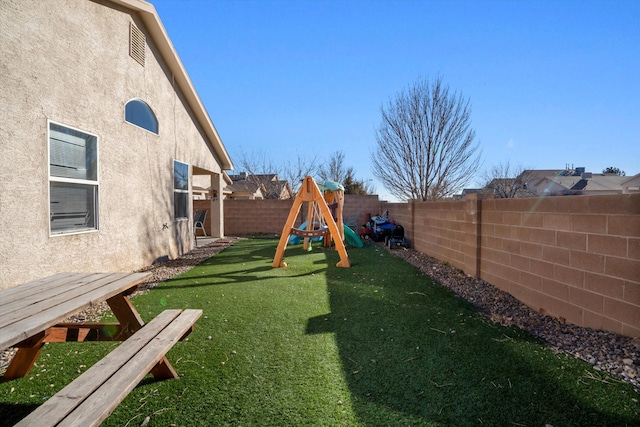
180 190
73 180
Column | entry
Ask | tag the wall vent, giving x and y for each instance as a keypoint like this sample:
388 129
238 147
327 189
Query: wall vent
137 44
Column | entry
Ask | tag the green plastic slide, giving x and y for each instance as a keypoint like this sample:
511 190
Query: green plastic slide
352 238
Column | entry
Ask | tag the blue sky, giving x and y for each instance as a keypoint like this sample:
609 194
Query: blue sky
550 82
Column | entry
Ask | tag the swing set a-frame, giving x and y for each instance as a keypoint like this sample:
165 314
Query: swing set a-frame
318 211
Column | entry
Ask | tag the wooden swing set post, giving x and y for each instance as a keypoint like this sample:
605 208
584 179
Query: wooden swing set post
286 230
310 193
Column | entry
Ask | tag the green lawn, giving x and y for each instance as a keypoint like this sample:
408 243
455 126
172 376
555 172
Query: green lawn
377 344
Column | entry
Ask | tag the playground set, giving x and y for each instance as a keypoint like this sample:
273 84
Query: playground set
324 221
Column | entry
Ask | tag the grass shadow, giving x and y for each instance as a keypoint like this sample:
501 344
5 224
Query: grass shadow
14 412
414 354
230 268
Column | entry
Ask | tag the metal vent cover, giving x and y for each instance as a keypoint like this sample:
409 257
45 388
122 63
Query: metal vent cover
137 44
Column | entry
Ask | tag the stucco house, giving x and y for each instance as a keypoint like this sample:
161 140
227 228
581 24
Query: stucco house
631 184
101 134
202 189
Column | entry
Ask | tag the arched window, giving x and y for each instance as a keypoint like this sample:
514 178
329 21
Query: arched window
140 114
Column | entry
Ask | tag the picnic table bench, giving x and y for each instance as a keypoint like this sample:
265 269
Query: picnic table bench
32 314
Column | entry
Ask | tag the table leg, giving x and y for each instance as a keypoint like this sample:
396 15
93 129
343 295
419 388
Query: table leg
25 357
163 370
130 322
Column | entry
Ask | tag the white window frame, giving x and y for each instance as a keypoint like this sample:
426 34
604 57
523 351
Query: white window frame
180 191
89 223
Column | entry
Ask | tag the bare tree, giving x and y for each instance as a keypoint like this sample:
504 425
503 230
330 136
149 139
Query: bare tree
507 182
259 163
295 172
334 169
425 145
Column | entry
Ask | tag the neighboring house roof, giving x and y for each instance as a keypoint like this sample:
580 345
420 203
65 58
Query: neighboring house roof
582 184
277 190
245 189
631 184
481 192
508 188
568 181
555 182
161 39
633 181
533 175
270 185
595 182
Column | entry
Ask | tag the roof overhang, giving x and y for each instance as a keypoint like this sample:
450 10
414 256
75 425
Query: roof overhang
161 39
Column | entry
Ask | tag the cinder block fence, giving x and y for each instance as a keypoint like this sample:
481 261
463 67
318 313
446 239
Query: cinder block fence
576 258
269 216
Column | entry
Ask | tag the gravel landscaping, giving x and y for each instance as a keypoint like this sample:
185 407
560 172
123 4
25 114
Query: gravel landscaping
612 353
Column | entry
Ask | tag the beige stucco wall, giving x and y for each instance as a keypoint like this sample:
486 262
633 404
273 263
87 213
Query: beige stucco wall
68 61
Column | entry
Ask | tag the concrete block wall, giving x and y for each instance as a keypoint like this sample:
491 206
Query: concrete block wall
446 230
359 209
402 214
575 258
269 216
250 216
256 216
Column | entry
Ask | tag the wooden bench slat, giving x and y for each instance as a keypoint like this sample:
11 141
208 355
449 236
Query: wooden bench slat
62 403
16 328
97 407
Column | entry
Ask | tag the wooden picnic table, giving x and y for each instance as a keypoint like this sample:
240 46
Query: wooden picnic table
33 313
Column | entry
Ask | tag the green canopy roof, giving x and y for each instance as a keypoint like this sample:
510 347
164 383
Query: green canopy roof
330 185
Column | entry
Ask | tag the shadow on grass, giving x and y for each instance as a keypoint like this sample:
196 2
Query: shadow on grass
227 271
414 354
11 413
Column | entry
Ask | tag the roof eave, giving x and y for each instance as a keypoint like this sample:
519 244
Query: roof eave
152 21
